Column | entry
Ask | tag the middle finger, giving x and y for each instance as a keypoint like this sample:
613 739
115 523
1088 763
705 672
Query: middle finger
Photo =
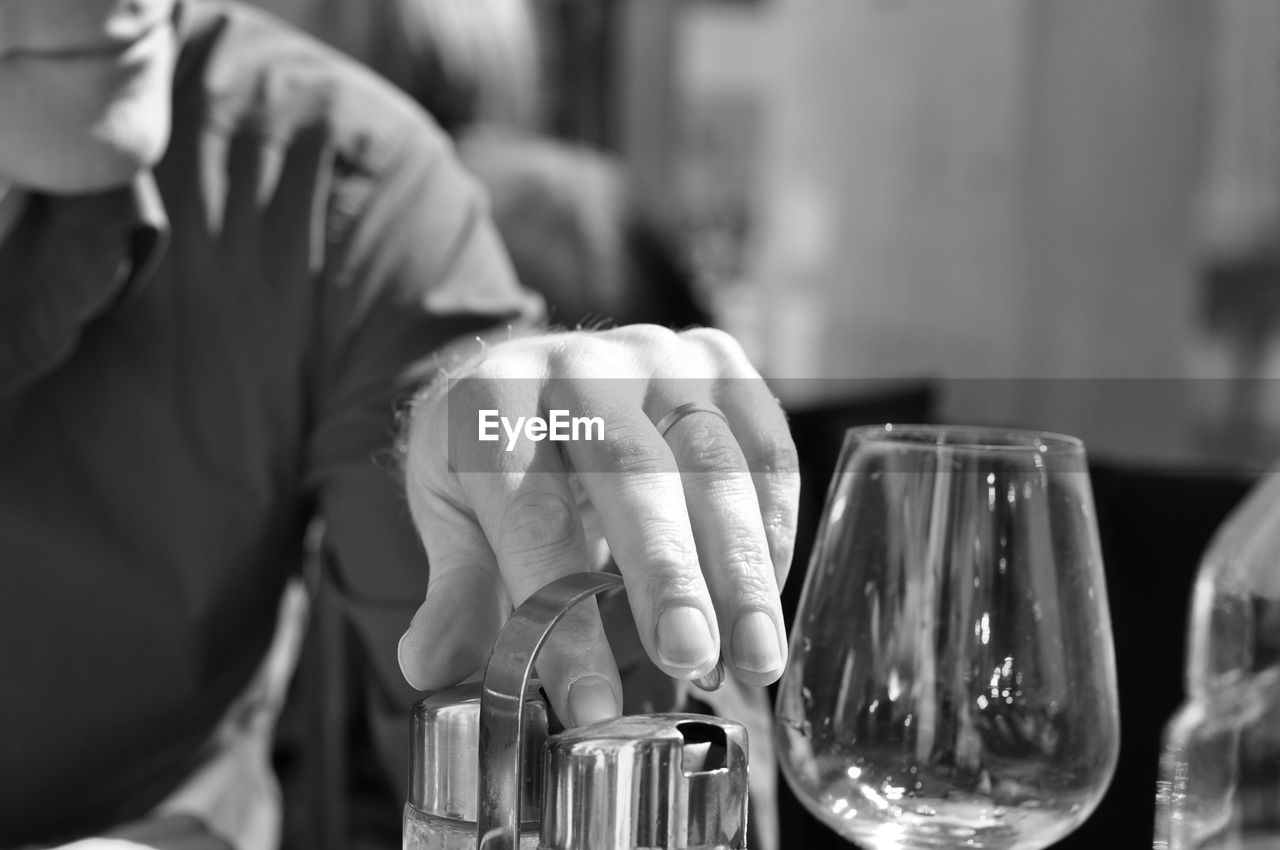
632 479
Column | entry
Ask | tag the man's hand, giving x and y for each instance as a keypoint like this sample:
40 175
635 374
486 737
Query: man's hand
700 519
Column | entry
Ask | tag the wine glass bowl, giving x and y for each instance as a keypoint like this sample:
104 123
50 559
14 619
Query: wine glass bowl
952 679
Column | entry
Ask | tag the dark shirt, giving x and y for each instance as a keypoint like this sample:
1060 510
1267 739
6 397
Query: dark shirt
193 367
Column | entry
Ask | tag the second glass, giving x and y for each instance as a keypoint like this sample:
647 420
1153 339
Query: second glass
952 679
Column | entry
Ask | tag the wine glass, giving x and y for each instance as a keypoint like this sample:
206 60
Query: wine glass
952 679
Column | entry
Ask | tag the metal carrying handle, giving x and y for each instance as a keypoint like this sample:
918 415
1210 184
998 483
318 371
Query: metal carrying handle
502 701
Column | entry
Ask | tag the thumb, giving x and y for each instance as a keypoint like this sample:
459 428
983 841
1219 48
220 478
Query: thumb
451 634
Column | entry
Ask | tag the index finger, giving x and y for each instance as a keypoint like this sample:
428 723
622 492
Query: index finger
517 512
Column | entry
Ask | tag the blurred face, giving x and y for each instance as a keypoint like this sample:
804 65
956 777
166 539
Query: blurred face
84 91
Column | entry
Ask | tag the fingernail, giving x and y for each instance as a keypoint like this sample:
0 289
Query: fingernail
684 638
404 671
713 680
590 699
755 643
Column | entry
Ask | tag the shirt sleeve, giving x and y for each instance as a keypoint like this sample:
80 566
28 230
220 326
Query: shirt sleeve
413 266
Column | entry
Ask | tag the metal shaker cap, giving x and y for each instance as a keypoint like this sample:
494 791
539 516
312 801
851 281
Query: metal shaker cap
444 763
661 781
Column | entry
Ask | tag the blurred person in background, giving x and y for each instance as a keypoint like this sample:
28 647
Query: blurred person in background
226 256
576 234
468 62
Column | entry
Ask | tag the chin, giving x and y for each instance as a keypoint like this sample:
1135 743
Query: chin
128 138
116 159
97 126
92 167
98 170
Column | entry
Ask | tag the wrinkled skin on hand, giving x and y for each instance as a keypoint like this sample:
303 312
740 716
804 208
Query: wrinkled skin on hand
700 520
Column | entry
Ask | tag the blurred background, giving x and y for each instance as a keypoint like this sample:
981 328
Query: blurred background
905 189
1061 214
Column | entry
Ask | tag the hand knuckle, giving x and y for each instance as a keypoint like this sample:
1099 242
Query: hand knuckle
496 365
725 488
667 580
539 521
738 556
467 396
716 341
777 453
752 573
575 353
706 447
649 334
626 450
665 555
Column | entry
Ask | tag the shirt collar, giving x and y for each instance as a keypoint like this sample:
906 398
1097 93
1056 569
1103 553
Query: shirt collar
148 231
69 260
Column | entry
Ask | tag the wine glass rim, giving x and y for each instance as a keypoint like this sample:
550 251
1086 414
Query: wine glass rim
983 438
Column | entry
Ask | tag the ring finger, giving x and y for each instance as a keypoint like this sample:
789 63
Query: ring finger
729 533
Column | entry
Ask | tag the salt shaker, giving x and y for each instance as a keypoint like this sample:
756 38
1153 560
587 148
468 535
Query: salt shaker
485 773
444 771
